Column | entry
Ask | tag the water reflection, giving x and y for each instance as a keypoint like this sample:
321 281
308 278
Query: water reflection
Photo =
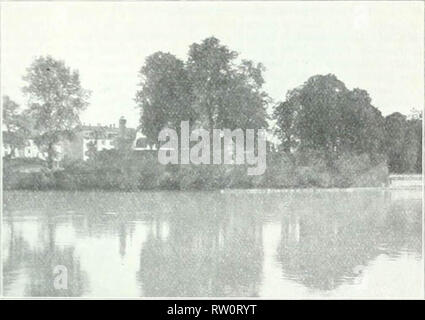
40 264
284 244
331 240
206 252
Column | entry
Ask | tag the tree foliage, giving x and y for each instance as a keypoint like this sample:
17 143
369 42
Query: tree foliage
55 99
322 114
210 90
403 142
165 96
17 125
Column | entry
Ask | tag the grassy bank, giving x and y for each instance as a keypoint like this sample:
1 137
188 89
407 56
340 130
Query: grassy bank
111 170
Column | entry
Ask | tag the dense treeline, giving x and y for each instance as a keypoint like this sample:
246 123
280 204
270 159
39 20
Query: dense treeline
329 135
321 118
324 116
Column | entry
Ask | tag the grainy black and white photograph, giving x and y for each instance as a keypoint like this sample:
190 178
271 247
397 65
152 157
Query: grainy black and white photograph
209 149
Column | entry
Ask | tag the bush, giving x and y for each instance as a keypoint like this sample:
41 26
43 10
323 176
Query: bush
113 170
359 171
348 167
42 180
376 176
198 177
280 172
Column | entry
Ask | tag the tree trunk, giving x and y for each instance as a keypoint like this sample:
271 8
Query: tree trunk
50 156
287 145
210 129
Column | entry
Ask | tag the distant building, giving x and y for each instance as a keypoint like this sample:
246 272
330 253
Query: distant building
30 150
100 137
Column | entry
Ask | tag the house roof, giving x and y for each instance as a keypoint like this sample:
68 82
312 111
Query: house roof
103 131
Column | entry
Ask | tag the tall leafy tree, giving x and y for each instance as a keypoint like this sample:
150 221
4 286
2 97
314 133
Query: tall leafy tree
227 94
209 65
415 126
396 128
243 101
404 142
362 125
17 125
286 115
55 98
210 89
319 121
322 114
165 97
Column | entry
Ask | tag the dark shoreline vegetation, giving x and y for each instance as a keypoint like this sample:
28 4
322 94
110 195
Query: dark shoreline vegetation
328 135
113 171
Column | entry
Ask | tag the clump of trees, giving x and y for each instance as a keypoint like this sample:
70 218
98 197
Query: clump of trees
211 89
322 115
55 99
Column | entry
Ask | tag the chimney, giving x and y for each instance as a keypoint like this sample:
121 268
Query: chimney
122 123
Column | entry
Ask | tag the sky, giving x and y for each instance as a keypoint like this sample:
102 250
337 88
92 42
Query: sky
376 46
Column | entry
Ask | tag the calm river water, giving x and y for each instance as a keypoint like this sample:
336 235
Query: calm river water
286 244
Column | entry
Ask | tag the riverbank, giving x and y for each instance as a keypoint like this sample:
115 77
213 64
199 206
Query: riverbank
116 172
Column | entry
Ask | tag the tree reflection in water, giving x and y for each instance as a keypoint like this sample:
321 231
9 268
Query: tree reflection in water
211 250
40 260
205 243
329 240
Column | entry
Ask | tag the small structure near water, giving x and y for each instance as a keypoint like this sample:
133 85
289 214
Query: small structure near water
405 181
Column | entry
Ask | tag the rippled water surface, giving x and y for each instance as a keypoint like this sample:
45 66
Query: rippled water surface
289 244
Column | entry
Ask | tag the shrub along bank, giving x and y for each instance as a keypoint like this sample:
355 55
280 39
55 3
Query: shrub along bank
112 170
